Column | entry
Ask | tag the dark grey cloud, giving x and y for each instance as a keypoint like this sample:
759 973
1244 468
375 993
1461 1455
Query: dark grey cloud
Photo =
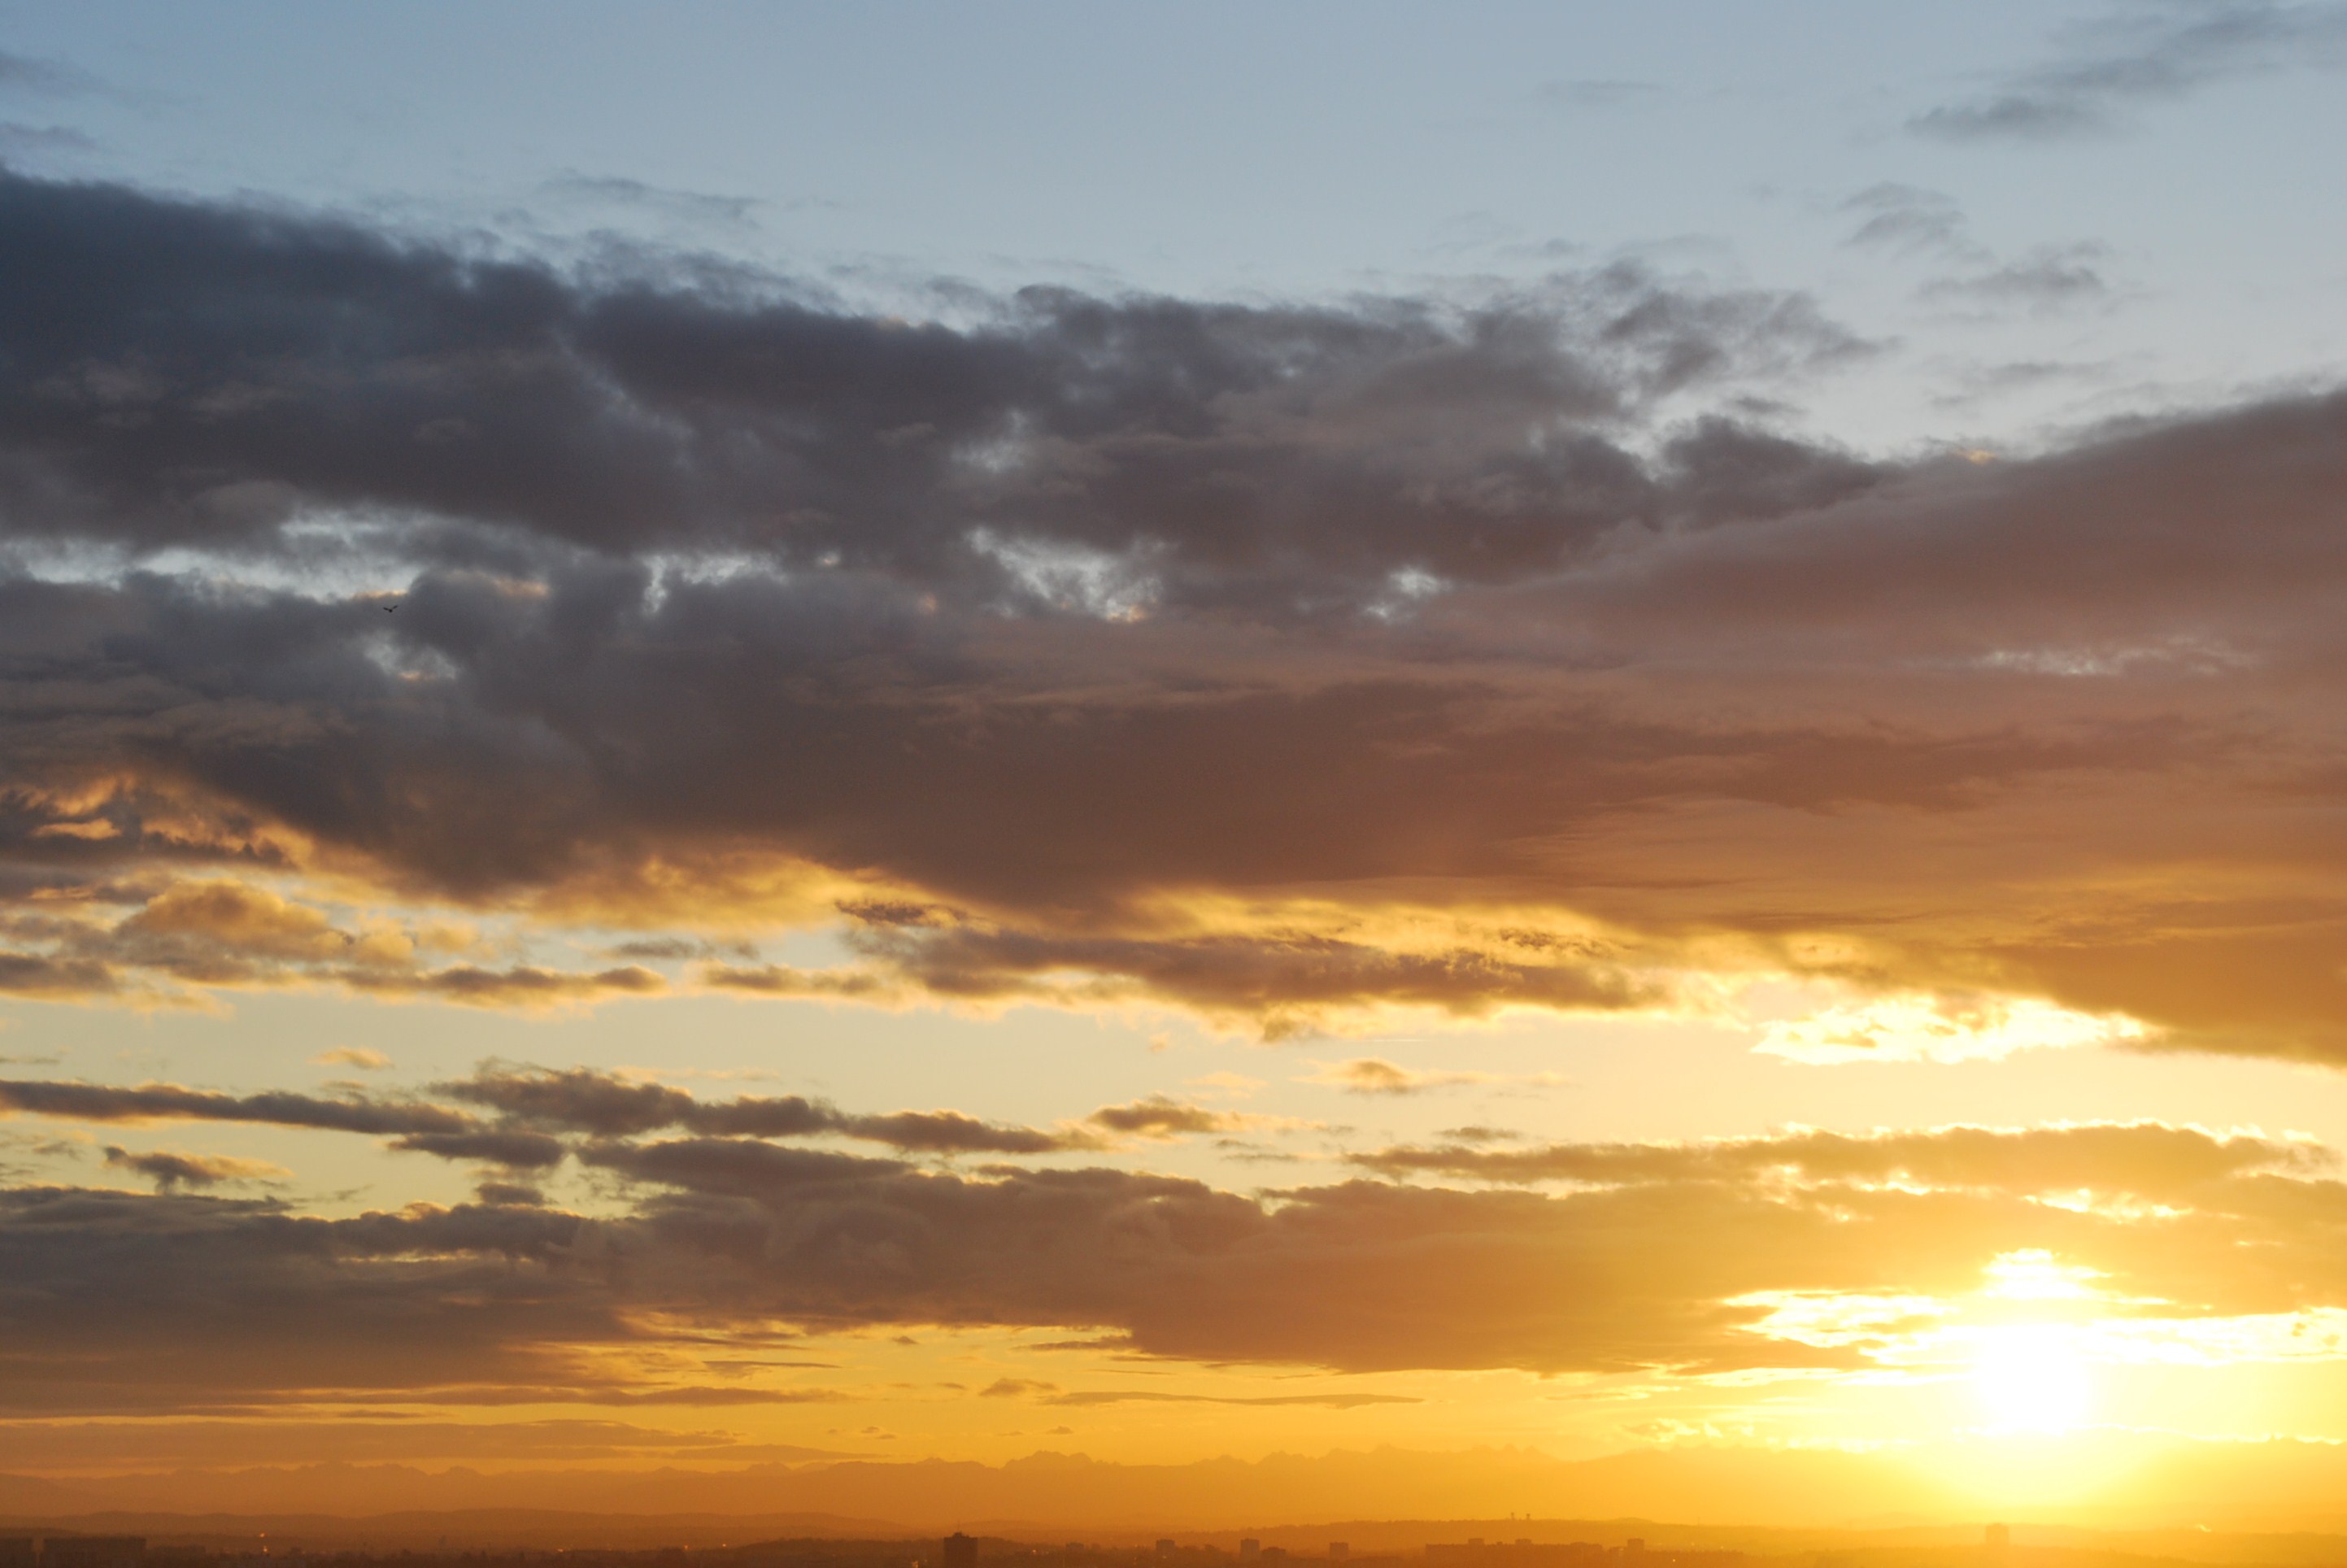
584 1100
579 1099
170 1171
174 1300
183 373
44 975
509 1193
1234 658
952 1132
1157 1116
169 1103
1650 1256
511 1147
534 1105
1643 1265
2145 55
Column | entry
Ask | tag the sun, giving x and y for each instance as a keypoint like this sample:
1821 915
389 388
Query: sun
2030 1377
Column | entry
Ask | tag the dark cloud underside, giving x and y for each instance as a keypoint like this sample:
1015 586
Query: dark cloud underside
1649 1261
1272 660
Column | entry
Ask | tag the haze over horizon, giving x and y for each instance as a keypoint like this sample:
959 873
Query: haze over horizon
1428 758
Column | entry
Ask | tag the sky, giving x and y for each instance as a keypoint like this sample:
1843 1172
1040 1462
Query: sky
764 740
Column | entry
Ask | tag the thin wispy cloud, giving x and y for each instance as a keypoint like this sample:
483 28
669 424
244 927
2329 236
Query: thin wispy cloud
2131 60
619 193
2051 279
20 142
1912 222
1376 1075
31 76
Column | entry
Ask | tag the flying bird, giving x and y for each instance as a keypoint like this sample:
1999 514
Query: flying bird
391 609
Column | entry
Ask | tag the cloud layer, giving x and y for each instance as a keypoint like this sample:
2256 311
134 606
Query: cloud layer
1686 1258
1281 663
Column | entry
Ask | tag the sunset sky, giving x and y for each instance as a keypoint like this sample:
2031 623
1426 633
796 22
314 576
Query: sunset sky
755 735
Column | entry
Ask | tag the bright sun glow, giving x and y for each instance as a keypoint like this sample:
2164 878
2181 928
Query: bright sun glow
2029 1377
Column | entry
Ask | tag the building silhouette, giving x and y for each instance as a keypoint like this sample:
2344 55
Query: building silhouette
961 1551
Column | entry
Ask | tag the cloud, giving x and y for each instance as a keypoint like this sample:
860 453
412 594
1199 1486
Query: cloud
2047 279
27 74
579 1099
1908 219
177 1301
170 1172
364 1058
41 974
494 1192
524 987
1291 666
2146 1158
952 1132
1354 1264
217 932
1059 434
1288 664
513 1148
1150 1396
1937 1028
1282 982
660 201
1699 1258
534 1106
1159 1117
2131 60
1376 1075
19 141
169 1103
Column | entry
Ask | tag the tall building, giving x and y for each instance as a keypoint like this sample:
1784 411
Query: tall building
1250 1548
1339 1550
16 1552
961 1550
1998 1538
